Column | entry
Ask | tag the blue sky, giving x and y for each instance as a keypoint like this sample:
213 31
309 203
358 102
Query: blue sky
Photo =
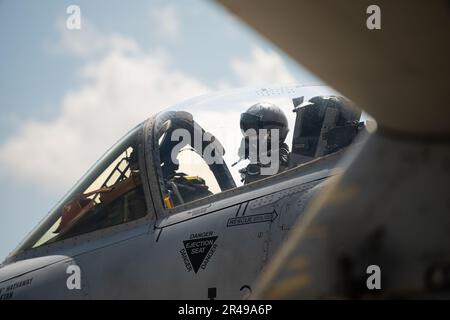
67 95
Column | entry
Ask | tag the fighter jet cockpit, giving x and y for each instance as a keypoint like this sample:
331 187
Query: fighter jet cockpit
189 160
198 152
212 144
109 194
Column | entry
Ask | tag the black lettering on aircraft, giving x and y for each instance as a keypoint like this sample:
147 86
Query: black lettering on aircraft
198 250
255 218
7 292
6 296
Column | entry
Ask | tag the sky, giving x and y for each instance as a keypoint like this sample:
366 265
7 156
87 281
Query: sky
67 95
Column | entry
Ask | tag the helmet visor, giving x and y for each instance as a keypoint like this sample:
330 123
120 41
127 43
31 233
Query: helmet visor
250 121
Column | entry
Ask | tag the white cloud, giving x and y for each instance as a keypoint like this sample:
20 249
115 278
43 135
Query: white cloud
264 67
166 21
89 41
122 86
120 91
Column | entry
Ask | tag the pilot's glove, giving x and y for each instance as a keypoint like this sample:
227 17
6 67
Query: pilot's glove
250 173
254 169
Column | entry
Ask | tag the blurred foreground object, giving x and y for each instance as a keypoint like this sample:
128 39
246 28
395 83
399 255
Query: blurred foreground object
391 207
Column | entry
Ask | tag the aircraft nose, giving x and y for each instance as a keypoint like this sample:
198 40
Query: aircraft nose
41 278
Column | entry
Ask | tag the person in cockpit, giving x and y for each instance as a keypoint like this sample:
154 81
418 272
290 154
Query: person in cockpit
257 125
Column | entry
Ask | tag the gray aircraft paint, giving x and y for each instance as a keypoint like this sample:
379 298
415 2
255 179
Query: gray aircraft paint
143 259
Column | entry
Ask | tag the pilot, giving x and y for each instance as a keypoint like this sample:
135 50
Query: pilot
258 117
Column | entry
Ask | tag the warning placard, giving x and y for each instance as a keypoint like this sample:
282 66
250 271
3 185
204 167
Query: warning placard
199 250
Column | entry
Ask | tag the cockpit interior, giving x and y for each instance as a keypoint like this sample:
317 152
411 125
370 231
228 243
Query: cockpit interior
191 152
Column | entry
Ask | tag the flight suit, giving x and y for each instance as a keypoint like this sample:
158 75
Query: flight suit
252 172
